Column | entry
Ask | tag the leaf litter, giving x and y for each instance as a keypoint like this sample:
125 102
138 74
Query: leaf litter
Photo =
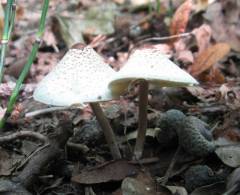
209 51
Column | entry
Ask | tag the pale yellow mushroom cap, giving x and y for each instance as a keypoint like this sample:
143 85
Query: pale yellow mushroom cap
151 65
80 77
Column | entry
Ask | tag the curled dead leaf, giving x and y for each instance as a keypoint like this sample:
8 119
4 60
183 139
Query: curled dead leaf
203 35
206 59
180 18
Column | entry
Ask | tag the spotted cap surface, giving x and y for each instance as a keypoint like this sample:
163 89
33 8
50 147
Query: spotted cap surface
80 77
151 65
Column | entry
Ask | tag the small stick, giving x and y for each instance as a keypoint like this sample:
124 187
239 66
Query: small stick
166 38
142 119
45 110
107 130
24 134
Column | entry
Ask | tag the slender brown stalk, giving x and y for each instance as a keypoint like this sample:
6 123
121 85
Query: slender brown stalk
107 130
142 119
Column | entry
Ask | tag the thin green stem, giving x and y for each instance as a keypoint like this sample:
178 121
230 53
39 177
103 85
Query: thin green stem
7 17
5 37
12 19
28 64
158 6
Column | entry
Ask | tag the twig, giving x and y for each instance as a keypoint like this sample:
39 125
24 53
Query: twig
166 38
24 134
45 110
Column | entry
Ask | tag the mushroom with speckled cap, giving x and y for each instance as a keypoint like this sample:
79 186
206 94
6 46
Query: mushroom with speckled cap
148 66
80 77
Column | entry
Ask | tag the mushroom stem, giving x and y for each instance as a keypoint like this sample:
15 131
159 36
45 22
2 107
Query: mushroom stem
142 119
107 130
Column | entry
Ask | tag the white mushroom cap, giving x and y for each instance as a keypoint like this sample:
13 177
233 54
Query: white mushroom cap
151 65
80 77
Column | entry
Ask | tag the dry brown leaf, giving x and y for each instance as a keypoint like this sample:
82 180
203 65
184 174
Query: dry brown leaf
185 56
20 12
225 24
214 75
206 59
203 35
111 171
181 18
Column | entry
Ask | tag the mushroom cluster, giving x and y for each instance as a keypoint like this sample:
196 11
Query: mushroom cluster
83 77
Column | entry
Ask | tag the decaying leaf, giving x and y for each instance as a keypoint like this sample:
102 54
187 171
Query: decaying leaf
203 35
202 4
7 162
216 188
112 171
181 18
143 184
94 21
223 17
177 190
209 57
213 76
230 155
233 182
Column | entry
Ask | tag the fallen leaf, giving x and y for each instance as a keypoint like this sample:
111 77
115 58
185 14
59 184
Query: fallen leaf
181 18
185 56
233 181
224 23
230 155
8 162
177 190
203 35
143 184
94 21
214 189
20 12
111 171
214 75
207 58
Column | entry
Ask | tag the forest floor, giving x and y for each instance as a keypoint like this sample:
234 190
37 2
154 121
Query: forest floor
46 151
